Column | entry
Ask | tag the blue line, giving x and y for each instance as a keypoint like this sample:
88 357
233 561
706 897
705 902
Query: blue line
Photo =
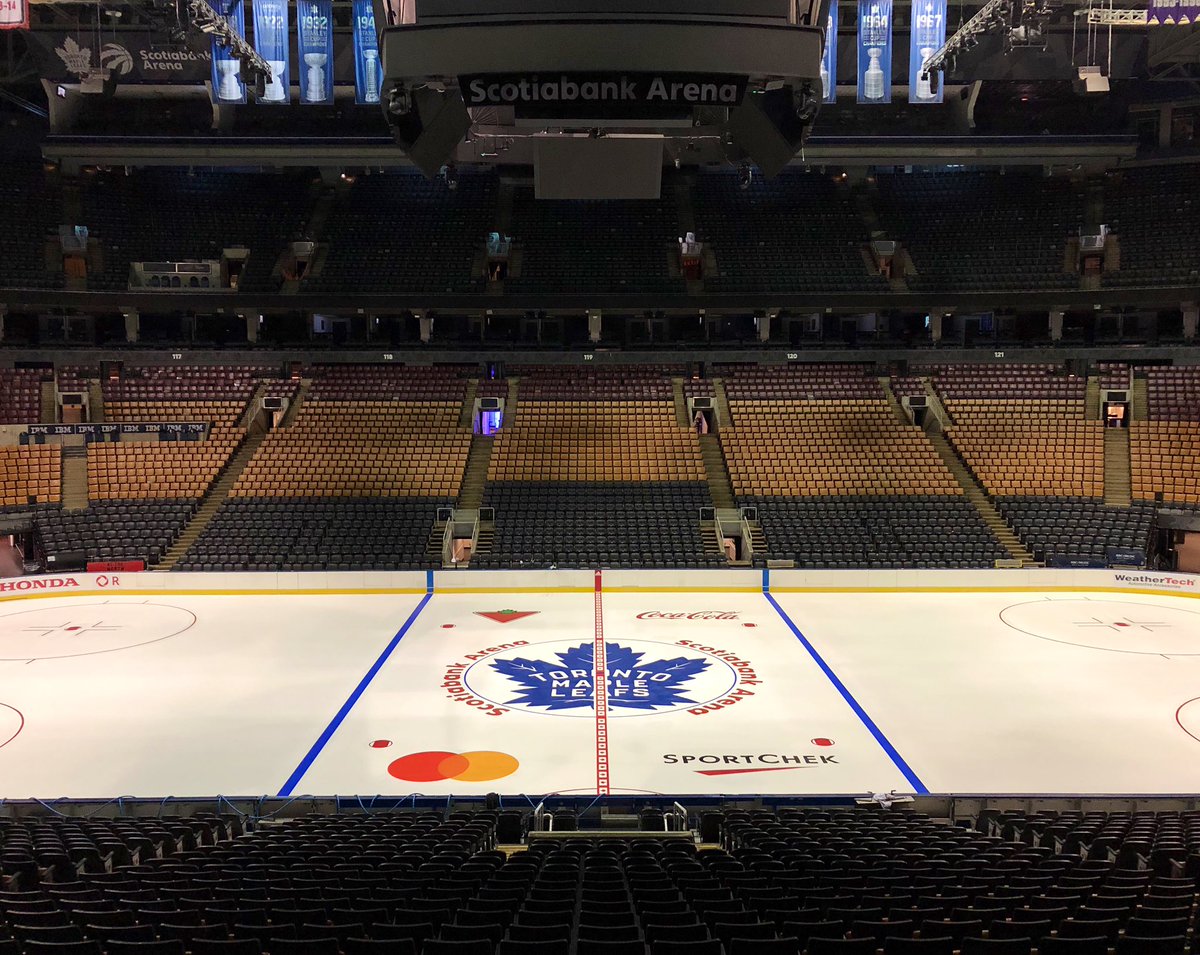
918 786
766 580
340 716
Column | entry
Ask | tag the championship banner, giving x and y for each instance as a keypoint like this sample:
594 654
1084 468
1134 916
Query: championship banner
271 43
927 33
829 56
1177 12
874 51
314 37
14 15
368 71
227 82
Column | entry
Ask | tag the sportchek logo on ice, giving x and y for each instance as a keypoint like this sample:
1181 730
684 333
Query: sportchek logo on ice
737 764
697 615
1155 580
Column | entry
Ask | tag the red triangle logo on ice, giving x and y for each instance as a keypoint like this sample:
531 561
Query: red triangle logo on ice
504 616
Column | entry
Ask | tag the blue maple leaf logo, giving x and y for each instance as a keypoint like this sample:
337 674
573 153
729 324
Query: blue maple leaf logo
566 683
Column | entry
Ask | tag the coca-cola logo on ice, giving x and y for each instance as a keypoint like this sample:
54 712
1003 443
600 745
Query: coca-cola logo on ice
695 615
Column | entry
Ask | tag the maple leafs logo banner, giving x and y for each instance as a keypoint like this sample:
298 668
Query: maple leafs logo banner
567 682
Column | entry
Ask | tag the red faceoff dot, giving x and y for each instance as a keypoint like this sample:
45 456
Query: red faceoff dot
749 625
822 741
447 626
380 743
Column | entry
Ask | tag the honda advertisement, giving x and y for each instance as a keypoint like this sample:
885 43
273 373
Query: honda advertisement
368 71
927 33
874 51
271 43
227 85
314 37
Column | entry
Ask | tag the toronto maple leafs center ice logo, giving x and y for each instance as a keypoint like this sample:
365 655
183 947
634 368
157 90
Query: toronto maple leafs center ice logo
569 681
641 678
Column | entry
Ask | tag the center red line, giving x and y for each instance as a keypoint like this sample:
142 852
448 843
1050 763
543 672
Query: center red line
600 694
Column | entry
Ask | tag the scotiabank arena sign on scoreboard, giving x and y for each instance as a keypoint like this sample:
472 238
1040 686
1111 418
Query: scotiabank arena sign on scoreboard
601 94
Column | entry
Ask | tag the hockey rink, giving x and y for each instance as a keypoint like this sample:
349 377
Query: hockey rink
817 691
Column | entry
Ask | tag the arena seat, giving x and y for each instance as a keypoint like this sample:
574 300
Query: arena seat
614 245
838 479
209 211
30 475
978 230
30 214
400 231
1077 527
122 529
817 876
21 395
353 482
798 232
1137 204
1021 429
595 468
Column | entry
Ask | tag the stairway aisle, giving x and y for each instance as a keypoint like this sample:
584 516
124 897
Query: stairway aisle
681 412
212 501
1091 401
716 471
1118 477
980 501
479 458
297 401
95 400
466 415
1139 401
74 478
893 402
48 407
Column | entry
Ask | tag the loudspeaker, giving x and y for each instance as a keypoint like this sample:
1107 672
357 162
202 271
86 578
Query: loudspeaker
768 129
432 128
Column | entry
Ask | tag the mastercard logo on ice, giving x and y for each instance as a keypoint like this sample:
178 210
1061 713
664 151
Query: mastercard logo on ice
476 767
